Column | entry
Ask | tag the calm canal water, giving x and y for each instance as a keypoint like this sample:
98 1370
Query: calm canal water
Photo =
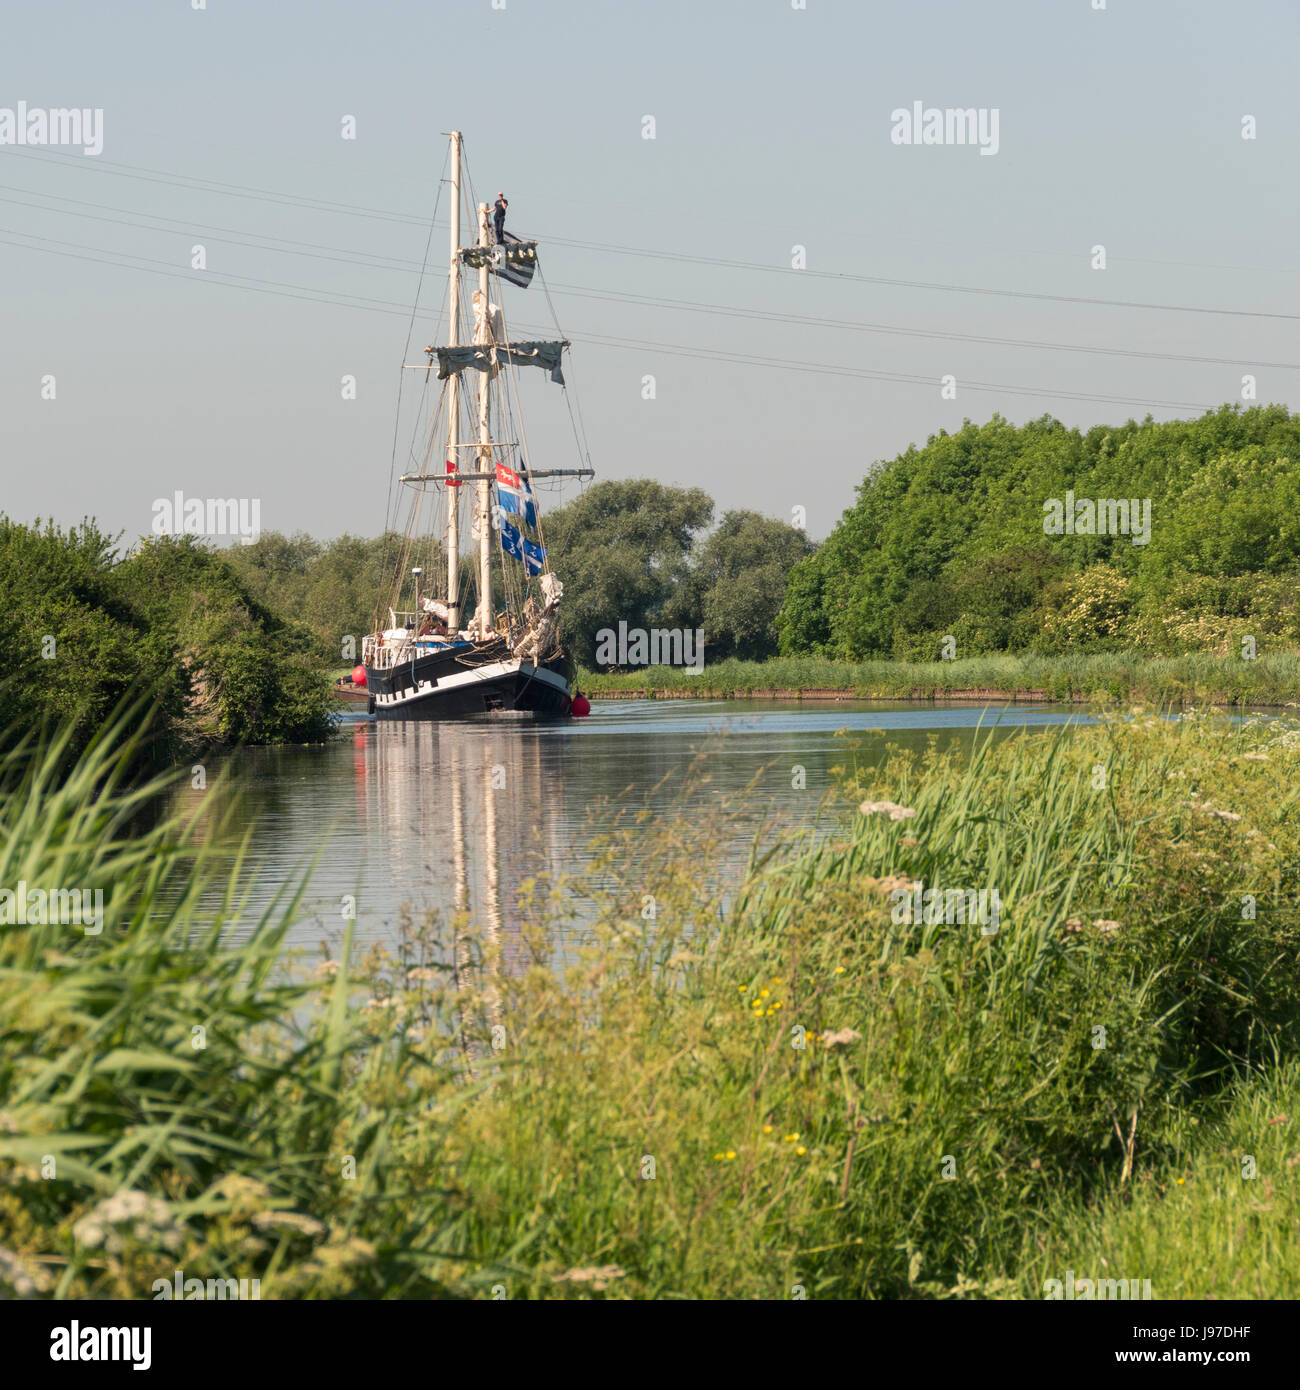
442 816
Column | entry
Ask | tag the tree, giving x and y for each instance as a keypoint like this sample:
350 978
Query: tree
621 550
737 584
950 538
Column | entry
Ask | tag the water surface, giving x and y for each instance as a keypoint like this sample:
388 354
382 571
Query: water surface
443 816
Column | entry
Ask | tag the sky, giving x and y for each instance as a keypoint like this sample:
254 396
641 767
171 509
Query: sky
774 387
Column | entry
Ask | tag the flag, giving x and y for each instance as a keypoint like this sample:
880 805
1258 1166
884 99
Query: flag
513 260
511 541
534 556
514 494
451 468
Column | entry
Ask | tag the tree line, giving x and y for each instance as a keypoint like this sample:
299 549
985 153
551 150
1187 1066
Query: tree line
636 552
965 544
1164 538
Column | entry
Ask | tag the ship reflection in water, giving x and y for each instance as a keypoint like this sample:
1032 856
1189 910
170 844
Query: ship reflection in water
452 818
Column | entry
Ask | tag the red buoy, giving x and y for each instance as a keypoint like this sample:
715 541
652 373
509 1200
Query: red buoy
581 707
358 675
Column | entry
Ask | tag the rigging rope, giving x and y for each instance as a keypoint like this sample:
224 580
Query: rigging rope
410 328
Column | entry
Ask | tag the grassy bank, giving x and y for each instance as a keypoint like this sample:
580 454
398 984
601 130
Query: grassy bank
1198 678
733 1089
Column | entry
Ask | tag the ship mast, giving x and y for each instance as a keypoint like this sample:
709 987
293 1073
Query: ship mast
483 334
453 401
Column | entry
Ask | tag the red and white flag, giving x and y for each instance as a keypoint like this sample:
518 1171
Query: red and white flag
451 469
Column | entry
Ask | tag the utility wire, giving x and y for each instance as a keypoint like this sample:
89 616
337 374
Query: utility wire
366 304
610 248
396 265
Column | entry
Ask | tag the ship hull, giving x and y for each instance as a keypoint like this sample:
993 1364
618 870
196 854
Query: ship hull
462 683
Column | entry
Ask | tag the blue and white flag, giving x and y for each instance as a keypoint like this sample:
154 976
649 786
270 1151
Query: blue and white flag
514 494
511 541
534 557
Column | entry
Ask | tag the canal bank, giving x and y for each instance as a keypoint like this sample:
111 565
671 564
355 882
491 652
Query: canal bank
1270 679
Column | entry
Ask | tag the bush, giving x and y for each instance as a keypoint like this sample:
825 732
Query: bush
85 628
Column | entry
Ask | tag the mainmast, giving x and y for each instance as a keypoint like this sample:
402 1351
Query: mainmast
483 334
453 401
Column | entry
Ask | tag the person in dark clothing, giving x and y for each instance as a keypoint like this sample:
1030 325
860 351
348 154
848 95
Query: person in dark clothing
499 217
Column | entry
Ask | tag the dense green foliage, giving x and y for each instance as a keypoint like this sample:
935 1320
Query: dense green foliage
955 1122
622 550
334 587
81 627
637 552
949 540
736 585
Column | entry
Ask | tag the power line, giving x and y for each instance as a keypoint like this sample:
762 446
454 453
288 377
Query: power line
236 236
156 267
863 373
315 250
610 248
737 311
924 284
231 190
153 266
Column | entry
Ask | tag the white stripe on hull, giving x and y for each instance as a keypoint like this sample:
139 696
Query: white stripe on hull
478 676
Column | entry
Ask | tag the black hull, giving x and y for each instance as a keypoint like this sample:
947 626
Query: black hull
465 682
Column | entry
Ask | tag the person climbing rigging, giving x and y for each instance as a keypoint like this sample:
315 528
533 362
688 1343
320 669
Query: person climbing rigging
499 218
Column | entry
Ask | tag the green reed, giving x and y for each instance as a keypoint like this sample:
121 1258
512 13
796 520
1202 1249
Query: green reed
740 1085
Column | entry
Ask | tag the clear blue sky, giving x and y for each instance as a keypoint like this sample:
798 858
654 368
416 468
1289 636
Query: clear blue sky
1120 127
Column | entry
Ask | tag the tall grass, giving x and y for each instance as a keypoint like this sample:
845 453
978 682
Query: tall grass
1214 1217
729 1089
159 1058
1120 677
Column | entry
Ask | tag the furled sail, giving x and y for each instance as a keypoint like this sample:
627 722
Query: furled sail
485 357
514 262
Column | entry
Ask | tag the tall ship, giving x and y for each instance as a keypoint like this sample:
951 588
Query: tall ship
474 633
